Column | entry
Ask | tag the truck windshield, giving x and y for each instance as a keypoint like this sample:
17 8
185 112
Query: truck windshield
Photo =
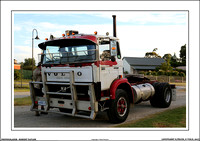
69 54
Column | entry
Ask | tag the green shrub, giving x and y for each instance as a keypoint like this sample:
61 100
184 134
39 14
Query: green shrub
142 72
154 73
168 73
175 73
182 74
161 72
17 75
148 73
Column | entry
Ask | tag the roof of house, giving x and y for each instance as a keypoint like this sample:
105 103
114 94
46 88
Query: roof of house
17 66
144 67
181 67
144 63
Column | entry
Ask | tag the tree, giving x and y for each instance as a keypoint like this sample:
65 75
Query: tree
183 55
167 56
175 62
28 62
166 66
152 54
27 65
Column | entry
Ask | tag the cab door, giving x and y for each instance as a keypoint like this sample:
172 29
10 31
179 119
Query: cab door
110 63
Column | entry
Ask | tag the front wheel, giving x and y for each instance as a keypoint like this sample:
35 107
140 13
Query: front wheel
119 107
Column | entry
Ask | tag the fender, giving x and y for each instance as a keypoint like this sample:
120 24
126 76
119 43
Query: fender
121 83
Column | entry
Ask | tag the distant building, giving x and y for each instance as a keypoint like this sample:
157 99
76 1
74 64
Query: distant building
175 58
181 67
133 65
16 66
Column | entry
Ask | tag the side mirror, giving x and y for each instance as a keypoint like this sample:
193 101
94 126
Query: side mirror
113 48
113 58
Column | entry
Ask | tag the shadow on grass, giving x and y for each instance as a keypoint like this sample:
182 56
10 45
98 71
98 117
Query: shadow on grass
175 118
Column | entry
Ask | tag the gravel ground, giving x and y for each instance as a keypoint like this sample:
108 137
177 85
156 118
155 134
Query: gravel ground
23 117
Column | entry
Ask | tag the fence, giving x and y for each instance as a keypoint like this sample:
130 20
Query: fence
27 74
170 79
25 77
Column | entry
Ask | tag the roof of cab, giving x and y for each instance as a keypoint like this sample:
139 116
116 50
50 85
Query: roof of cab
91 37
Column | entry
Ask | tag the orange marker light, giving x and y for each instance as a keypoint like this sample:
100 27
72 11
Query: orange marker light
73 33
113 48
67 34
46 39
120 76
63 35
95 32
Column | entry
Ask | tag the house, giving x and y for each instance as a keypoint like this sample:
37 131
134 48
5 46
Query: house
181 68
133 65
16 66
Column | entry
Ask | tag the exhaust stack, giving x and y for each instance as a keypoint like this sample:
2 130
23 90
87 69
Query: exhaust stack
114 26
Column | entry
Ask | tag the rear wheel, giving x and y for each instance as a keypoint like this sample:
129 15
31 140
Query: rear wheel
163 95
119 107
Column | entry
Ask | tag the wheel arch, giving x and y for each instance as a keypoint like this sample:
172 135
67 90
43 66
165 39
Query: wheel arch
121 84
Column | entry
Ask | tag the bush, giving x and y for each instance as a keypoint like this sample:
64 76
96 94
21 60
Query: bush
142 72
182 74
154 73
148 73
161 72
175 73
17 75
168 73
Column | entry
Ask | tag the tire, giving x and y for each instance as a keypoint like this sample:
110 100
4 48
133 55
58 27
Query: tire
154 99
119 107
163 95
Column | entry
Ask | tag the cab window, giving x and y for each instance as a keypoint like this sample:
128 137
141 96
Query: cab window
104 51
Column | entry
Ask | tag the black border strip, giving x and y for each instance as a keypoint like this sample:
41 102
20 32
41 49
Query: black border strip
102 11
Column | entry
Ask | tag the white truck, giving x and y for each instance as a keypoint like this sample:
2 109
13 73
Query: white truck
83 74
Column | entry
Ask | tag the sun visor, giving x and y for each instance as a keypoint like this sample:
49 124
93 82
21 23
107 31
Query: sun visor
66 42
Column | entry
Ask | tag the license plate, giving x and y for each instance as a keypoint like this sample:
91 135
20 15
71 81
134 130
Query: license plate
42 103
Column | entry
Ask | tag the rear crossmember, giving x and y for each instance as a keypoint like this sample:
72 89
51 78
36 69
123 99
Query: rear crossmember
75 106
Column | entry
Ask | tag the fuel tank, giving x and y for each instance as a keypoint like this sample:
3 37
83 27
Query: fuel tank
143 92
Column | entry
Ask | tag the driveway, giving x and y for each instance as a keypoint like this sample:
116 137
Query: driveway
23 117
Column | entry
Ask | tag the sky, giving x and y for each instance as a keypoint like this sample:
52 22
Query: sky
139 31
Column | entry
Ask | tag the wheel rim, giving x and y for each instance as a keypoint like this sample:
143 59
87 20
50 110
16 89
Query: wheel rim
167 96
121 106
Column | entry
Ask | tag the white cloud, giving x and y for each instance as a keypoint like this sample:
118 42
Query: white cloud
22 52
137 40
144 17
17 28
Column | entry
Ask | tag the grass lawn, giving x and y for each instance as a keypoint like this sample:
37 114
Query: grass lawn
25 101
21 90
25 85
174 118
